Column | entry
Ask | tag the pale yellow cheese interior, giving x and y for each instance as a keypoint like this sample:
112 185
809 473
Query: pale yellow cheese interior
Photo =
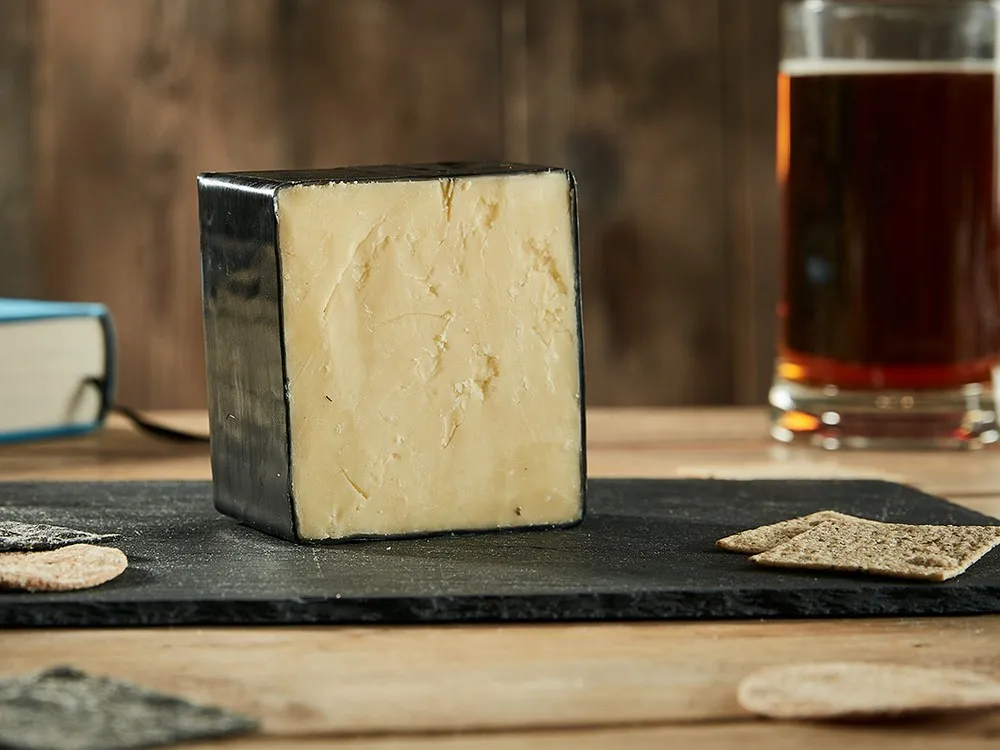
432 361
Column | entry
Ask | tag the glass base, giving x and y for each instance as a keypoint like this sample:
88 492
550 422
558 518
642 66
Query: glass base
833 418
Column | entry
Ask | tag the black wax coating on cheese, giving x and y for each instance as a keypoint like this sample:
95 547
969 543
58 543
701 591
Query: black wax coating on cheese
63 708
244 355
34 537
244 345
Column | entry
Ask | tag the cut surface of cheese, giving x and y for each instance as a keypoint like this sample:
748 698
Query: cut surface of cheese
432 354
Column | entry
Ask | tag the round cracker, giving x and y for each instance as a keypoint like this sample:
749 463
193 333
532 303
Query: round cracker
863 690
78 566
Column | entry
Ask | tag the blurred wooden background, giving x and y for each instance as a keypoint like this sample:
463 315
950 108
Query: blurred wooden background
663 108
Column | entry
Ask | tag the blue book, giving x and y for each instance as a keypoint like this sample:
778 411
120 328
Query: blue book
57 366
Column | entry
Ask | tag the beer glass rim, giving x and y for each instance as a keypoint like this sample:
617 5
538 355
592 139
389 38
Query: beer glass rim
890 7
919 30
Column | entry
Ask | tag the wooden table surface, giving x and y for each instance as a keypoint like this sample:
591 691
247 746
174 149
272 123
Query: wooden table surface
589 685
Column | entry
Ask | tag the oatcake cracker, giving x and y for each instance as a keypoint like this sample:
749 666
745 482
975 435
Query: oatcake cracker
764 538
65 709
842 690
79 566
31 537
934 553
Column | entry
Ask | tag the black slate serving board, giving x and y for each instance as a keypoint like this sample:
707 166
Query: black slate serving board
645 551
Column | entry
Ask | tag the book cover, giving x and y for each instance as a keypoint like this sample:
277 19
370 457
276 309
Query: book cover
57 366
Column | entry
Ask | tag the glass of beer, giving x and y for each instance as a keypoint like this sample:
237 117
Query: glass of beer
887 165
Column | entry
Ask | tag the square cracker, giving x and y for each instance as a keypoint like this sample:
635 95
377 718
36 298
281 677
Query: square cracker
934 553
763 538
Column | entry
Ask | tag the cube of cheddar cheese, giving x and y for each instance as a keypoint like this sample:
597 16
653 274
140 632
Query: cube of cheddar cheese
394 351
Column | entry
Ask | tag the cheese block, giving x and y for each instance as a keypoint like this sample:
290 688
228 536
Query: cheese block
394 351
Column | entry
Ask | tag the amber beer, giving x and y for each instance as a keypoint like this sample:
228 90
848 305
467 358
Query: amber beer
890 228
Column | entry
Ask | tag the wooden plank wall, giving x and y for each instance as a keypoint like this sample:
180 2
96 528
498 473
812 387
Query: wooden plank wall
663 108
18 257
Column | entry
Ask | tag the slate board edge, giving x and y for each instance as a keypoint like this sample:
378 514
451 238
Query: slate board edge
919 600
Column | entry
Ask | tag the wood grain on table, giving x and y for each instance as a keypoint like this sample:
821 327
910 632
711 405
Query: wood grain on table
585 685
